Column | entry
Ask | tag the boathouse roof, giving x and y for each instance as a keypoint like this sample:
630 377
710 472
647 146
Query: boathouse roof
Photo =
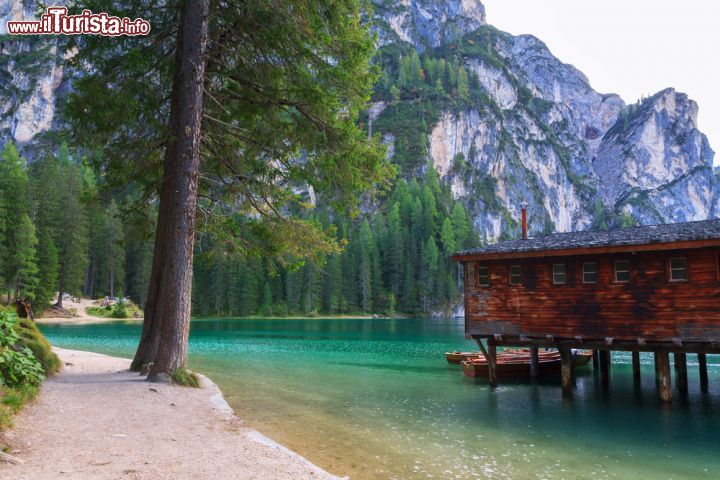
651 237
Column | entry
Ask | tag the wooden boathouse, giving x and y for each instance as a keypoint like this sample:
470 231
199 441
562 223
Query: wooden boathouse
649 288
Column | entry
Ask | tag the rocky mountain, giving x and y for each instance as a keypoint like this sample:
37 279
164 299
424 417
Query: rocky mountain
655 163
31 75
426 23
498 117
538 132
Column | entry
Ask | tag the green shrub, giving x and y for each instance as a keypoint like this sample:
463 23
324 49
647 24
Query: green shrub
31 338
20 368
18 365
25 359
120 310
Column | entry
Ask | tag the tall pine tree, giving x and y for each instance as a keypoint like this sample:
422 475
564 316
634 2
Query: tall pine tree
72 232
19 235
26 278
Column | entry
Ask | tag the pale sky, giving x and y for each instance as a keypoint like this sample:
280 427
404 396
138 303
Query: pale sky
630 47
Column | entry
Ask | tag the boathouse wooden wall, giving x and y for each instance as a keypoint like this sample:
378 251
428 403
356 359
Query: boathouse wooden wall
649 306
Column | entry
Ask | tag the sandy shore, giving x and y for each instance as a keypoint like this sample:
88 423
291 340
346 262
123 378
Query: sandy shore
80 317
96 420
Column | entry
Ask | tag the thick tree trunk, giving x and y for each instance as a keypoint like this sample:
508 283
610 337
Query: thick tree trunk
172 285
151 331
61 286
59 303
150 336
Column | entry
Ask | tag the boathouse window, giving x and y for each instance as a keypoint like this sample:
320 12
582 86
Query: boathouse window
515 275
559 274
678 269
483 276
622 271
589 272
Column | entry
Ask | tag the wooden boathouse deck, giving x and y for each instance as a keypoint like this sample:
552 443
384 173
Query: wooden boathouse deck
650 288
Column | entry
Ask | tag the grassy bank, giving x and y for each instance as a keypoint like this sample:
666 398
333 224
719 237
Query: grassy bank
119 310
13 400
26 358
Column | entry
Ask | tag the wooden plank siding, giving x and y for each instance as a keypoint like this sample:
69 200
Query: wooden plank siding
648 306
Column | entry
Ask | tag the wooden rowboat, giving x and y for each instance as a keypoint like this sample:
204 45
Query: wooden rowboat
458 357
517 364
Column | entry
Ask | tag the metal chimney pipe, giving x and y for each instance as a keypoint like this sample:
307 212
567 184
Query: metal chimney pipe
524 220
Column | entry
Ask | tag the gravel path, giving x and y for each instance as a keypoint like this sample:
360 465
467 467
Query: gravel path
96 420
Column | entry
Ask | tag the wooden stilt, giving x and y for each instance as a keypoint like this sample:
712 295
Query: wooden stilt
534 363
492 364
664 385
566 370
490 354
681 371
605 359
636 366
702 365
595 361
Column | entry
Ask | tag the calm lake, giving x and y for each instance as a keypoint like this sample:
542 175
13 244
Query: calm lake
376 399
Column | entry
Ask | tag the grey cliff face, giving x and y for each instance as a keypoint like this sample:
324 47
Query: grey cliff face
545 136
539 152
426 23
656 164
31 76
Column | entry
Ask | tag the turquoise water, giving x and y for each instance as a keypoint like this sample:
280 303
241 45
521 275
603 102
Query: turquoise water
376 399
